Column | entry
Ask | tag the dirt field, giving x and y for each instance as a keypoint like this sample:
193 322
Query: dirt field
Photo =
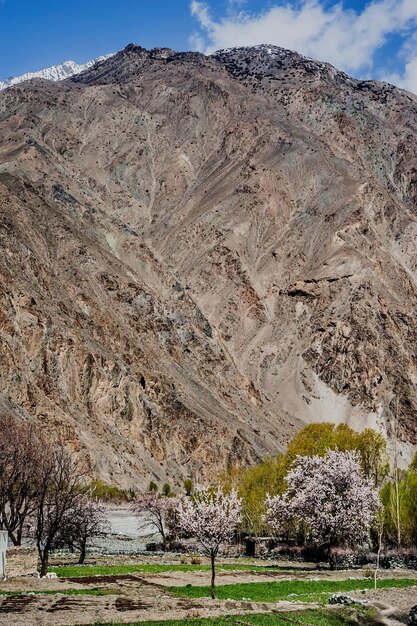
137 597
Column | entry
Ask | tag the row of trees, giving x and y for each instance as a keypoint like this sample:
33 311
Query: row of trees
43 491
328 501
331 488
397 488
323 491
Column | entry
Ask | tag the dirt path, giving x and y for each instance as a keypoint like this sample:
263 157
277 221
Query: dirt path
181 579
392 603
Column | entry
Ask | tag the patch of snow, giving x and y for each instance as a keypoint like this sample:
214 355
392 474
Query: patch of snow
56 72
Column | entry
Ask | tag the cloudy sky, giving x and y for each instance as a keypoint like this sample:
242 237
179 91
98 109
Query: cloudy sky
367 39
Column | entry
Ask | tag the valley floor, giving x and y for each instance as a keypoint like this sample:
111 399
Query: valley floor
123 591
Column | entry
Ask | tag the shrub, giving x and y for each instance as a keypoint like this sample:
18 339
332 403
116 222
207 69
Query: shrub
166 489
109 493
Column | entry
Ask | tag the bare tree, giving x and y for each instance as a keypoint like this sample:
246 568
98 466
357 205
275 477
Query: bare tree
22 448
61 487
153 509
40 481
84 520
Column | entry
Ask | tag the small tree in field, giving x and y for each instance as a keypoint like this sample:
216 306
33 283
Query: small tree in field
61 486
22 450
153 509
210 516
84 520
330 496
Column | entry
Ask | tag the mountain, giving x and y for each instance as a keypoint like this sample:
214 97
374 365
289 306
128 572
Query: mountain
202 254
56 72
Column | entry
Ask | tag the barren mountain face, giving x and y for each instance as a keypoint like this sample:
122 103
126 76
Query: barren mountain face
200 254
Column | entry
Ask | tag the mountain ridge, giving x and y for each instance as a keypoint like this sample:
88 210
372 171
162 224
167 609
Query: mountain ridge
59 71
67 69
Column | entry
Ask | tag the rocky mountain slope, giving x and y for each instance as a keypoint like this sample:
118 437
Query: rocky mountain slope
200 254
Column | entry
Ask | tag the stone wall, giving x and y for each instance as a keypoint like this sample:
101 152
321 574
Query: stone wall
21 562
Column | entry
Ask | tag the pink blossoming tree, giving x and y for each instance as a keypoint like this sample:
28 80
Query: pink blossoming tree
330 496
211 516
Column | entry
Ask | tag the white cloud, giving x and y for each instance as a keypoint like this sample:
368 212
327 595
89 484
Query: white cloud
196 41
201 12
406 79
347 39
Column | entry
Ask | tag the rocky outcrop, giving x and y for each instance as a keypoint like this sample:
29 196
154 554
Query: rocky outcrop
200 254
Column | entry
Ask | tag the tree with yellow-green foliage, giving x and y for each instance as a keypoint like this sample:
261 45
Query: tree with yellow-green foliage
253 484
406 516
268 477
318 438
372 448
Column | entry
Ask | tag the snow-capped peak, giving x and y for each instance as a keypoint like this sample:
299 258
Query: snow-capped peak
56 72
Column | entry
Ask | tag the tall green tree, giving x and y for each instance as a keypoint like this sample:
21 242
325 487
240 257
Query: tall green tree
407 509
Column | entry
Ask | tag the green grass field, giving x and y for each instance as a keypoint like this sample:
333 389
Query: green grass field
297 590
77 571
310 617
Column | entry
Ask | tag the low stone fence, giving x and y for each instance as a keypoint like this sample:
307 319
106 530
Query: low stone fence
21 561
342 558
389 560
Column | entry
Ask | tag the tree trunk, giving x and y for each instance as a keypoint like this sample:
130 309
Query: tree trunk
396 480
44 563
13 539
378 556
83 552
331 559
164 541
213 576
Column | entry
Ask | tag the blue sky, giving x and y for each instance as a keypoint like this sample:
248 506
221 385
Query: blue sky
368 39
